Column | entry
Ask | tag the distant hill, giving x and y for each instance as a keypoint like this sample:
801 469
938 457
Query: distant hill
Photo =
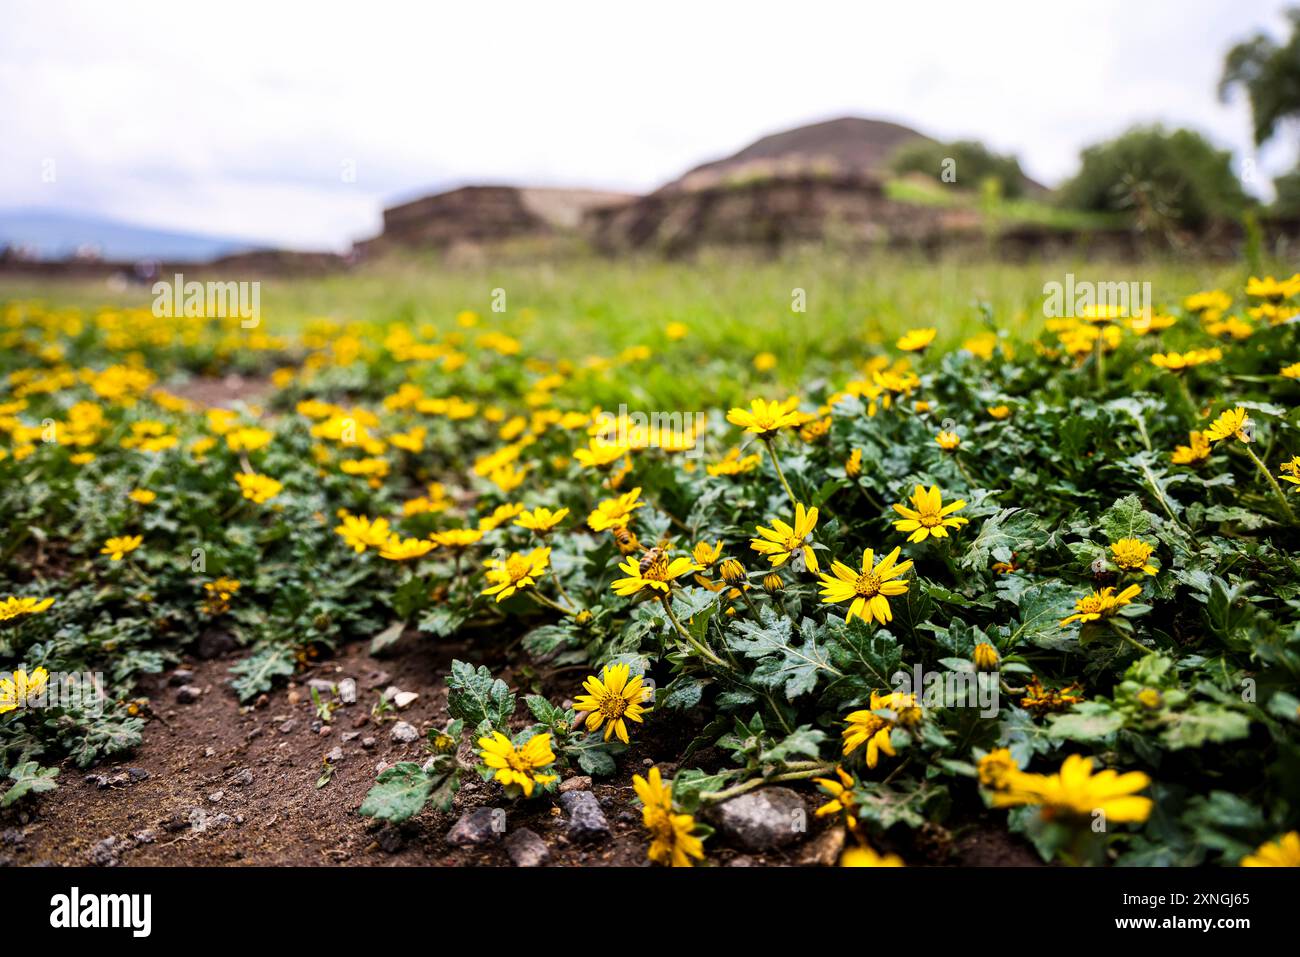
848 145
54 235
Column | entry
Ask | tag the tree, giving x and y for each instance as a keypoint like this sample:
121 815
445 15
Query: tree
1163 178
1270 75
967 163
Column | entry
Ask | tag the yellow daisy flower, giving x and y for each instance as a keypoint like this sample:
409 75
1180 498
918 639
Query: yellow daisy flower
928 515
1132 554
782 541
869 590
615 512
541 520
1101 604
519 767
1075 792
14 607
612 700
515 573
671 839
1284 852
765 419
120 545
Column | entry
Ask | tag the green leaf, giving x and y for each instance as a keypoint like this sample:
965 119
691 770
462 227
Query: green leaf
401 791
1089 722
477 698
29 778
1126 519
784 663
1010 531
257 673
1205 721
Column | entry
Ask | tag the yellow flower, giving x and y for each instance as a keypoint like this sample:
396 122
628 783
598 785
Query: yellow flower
765 419
863 856
410 441
143 496
457 539
1132 554
916 340
361 533
612 700
541 520
601 453
500 515
853 465
615 512
868 590
764 362
656 575
398 549
1182 361
706 554
376 467
1101 604
1292 371
516 572
676 330
1272 289
1212 303
18 691
671 839
508 478
733 573
733 464
1290 471
1232 423
997 768
999 411
985 657
780 542
518 766
248 439
948 441
14 607
1075 792
867 727
842 797
1284 852
258 488
1198 450
119 545
219 594
928 515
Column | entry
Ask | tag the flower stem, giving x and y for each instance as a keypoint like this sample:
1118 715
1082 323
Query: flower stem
712 797
776 464
1099 360
543 600
1277 489
705 653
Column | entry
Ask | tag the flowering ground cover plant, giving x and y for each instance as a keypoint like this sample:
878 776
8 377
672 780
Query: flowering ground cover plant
1051 584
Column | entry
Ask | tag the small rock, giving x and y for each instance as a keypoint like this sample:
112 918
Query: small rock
262 701
579 782
390 839
321 685
762 820
325 730
479 826
215 643
334 756
824 849
348 691
288 726
198 819
137 774
349 736
404 733
368 743
526 849
188 694
104 854
216 796
147 836
181 676
586 819
243 778
254 733
209 752
404 699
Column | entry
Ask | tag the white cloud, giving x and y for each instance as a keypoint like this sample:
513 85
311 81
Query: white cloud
236 117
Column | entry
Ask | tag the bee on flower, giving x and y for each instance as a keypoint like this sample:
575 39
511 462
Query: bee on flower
1231 423
654 572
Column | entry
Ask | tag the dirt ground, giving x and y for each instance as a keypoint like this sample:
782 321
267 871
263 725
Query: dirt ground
215 783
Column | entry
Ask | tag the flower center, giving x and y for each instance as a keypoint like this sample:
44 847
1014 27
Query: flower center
867 585
516 567
612 706
929 518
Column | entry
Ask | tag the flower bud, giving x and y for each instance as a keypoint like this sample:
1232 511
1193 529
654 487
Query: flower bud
985 657
773 584
733 573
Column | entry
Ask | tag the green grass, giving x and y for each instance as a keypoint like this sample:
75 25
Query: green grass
735 307
1003 212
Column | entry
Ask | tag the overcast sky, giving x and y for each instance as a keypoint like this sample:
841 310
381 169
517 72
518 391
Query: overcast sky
244 119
